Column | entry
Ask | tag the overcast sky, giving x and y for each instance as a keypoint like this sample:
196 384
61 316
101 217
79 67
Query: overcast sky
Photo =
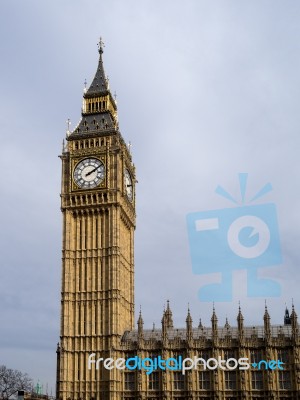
206 90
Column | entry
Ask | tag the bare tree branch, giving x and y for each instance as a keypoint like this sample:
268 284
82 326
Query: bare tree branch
12 380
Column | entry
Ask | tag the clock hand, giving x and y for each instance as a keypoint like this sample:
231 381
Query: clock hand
93 170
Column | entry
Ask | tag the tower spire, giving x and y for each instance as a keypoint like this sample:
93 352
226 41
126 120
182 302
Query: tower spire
189 325
169 315
99 85
287 318
214 322
294 321
267 323
240 321
140 324
226 326
99 110
96 171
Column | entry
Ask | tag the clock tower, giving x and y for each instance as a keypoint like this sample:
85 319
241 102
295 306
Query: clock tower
98 209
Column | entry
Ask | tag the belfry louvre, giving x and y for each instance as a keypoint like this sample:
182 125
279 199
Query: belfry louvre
97 298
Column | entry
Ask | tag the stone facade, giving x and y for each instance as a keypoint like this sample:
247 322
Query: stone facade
256 343
97 300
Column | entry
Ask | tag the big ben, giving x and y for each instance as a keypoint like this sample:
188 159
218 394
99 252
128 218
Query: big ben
97 297
98 208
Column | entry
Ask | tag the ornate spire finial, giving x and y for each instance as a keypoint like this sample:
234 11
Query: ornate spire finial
140 324
140 313
100 46
267 324
227 326
266 311
188 318
168 318
240 317
287 318
200 324
168 309
240 321
189 325
85 83
214 316
214 322
294 321
129 148
68 126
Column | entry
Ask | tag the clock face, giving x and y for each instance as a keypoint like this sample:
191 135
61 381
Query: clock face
89 173
128 185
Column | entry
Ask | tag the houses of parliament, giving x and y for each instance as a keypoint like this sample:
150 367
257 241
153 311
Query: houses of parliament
98 332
